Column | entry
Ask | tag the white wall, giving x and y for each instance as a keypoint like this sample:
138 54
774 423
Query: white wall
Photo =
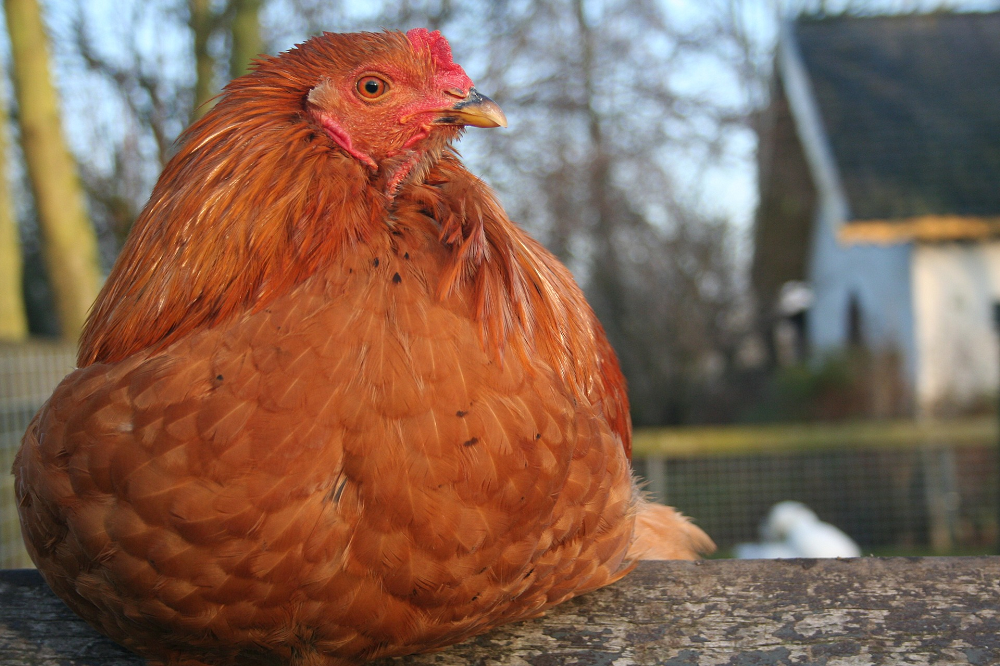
879 276
955 285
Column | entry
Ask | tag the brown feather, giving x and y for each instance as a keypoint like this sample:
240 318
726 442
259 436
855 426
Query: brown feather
324 412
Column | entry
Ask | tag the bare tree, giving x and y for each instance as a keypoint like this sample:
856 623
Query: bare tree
13 318
157 103
244 30
203 22
70 245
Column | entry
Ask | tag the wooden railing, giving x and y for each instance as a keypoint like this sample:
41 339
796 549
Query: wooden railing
698 441
861 612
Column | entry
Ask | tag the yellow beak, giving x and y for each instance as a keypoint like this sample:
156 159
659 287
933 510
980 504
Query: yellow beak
476 110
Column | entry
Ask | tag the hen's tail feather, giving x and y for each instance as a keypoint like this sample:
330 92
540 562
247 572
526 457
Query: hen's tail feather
663 533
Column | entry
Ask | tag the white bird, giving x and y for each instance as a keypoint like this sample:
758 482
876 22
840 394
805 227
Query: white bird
791 529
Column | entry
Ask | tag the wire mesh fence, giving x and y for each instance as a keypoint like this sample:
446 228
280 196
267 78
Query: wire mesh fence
28 374
939 498
893 489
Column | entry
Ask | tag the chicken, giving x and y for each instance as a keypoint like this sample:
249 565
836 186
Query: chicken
332 404
792 529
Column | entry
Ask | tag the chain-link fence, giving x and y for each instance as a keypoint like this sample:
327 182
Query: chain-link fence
28 374
894 489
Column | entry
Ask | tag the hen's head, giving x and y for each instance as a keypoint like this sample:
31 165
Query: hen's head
297 159
386 99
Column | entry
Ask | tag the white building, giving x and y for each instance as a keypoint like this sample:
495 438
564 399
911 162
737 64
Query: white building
880 190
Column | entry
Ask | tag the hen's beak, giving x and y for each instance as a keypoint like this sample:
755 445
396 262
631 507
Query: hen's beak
476 110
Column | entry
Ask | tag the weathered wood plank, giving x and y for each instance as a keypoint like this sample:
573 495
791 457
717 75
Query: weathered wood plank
859 612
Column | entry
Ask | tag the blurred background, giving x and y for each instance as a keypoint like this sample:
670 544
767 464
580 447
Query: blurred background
785 213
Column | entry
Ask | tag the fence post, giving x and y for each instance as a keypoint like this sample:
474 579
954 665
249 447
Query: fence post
996 326
940 488
656 477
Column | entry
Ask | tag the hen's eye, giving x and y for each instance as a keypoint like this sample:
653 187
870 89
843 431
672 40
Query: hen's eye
372 87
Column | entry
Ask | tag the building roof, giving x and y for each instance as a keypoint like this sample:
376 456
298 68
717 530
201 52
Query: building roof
911 108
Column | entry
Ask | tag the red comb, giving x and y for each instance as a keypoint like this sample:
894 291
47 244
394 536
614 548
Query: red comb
450 73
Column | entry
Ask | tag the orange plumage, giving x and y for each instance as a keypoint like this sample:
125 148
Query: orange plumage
332 404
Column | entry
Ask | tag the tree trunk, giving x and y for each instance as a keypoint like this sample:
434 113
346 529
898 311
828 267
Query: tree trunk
69 241
245 30
201 22
13 320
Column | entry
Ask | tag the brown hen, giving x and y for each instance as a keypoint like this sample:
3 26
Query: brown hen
332 404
